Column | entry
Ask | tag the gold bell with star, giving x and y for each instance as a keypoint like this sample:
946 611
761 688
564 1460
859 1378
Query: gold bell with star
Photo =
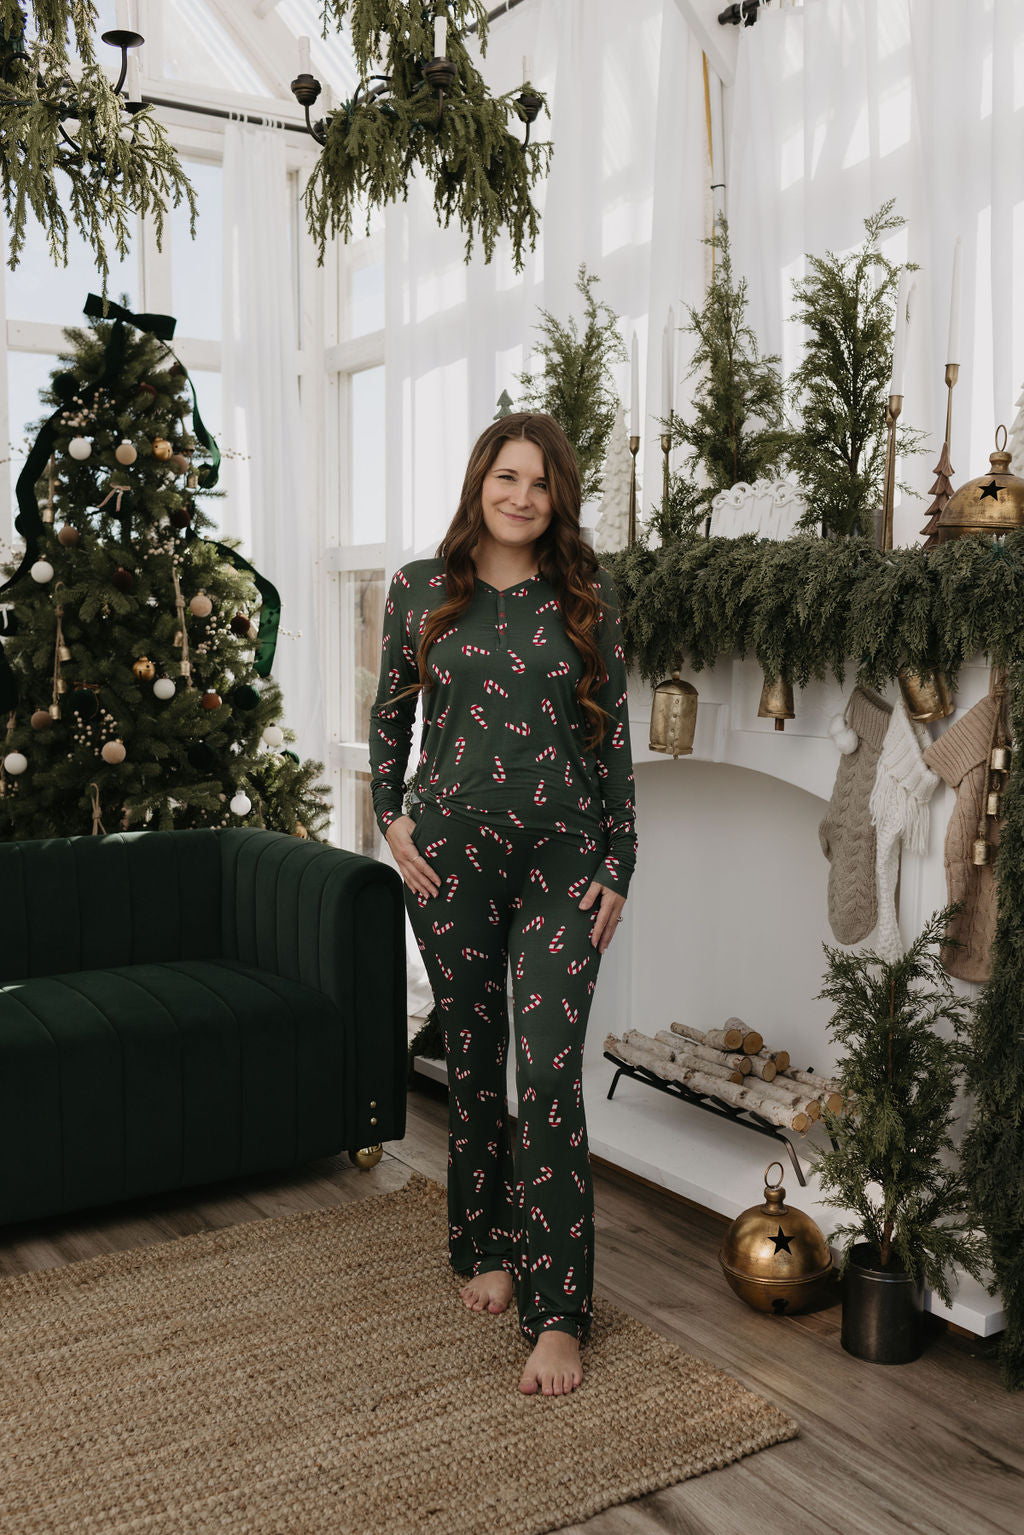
774 1257
991 505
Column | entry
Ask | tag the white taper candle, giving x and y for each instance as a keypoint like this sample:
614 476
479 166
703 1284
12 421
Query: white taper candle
953 345
440 36
304 68
634 389
668 347
899 343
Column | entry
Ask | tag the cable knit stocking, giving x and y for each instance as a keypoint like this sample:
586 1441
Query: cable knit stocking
899 811
846 833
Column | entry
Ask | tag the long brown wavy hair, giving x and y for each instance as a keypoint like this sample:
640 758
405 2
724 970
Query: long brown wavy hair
563 558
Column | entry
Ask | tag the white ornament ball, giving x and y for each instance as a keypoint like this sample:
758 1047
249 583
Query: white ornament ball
164 688
80 448
844 735
200 605
41 571
15 763
241 804
113 752
273 736
126 453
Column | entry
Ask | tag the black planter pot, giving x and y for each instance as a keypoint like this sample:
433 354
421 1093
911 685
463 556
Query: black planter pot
883 1311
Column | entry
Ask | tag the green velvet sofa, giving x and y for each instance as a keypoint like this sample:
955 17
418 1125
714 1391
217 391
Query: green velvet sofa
180 1007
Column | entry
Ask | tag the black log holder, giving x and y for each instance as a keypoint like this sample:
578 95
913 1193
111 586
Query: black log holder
745 1117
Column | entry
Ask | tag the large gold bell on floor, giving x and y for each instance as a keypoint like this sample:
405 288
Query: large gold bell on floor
926 694
367 1156
776 702
776 1258
673 717
992 505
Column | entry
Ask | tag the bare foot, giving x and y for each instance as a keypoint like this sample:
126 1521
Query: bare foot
554 1367
488 1292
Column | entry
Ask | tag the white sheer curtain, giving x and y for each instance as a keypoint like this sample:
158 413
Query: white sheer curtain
844 103
625 195
266 504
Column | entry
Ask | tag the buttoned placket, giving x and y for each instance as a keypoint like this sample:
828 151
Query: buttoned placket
502 623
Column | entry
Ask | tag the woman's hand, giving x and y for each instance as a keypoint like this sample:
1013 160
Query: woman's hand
416 871
608 913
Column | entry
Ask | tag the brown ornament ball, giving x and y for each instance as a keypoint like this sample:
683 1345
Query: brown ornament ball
126 452
180 462
181 516
113 752
300 830
69 537
123 579
144 669
162 449
240 625
200 606
211 700
41 720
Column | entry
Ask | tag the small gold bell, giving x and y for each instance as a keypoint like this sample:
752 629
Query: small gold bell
981 852
62 686
776 702
1000 760
673 717
774 1257
926 694
63 653
55 711
992 804
47 514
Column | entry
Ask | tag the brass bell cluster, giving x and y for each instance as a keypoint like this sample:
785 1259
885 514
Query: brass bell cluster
673 716
774 1257
996 769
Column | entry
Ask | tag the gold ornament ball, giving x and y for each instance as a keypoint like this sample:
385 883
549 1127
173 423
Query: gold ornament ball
211 700
774 1257
126 453
113 752
300 830
144 669
41 720
162 449
200 606
69 537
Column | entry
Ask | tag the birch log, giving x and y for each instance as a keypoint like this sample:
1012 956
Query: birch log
719 1039
801 1099
745 1097
751 1039
740 1063
826 1088
778 1058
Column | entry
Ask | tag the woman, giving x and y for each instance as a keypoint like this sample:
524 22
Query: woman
518 851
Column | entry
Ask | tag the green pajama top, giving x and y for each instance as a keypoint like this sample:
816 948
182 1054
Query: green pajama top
502 742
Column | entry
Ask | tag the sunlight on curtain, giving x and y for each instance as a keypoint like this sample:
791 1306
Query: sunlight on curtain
845 103
625 195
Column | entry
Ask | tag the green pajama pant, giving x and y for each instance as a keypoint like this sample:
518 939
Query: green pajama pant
511 898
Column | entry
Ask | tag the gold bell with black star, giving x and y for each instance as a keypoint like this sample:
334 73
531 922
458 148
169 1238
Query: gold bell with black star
991 505
774 1257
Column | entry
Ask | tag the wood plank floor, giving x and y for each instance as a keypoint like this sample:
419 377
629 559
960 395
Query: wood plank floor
935 1447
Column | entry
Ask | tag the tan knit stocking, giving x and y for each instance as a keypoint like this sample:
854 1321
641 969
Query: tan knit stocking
846 833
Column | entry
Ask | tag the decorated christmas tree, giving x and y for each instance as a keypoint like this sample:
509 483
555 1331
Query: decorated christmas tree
136 668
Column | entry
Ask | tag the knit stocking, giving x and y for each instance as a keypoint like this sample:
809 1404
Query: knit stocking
899 810
846 833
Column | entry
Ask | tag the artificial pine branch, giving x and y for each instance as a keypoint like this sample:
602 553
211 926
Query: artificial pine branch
841 387
574 382
482 175
738 403
900 1075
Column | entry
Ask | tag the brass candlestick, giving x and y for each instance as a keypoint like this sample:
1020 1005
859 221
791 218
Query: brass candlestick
893 408
634 448
952 374
666 445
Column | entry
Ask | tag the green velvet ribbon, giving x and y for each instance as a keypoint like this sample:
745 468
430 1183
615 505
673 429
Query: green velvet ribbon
270 605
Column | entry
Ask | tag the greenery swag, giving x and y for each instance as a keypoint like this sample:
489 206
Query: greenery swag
481 172
114 168
810 607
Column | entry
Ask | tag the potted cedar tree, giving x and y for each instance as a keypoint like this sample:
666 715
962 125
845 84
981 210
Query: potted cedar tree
902 1029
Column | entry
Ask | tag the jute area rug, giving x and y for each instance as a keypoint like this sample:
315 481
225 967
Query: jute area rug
318 1374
